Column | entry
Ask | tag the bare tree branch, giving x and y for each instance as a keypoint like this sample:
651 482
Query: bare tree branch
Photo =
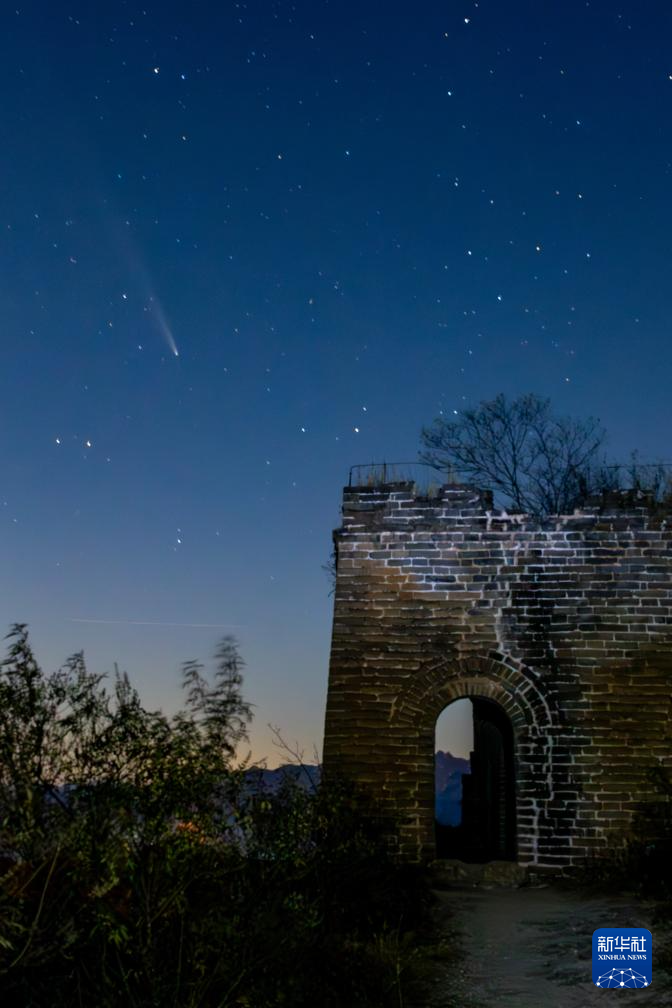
535 461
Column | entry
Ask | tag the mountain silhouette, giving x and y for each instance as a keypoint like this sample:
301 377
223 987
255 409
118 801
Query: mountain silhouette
448 771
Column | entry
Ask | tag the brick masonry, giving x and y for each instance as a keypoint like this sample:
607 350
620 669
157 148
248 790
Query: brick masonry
565 622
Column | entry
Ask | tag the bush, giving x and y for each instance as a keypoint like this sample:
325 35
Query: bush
137 867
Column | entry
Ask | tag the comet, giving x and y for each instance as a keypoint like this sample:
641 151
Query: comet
163 325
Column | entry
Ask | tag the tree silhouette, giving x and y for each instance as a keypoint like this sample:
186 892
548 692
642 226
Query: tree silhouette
536 461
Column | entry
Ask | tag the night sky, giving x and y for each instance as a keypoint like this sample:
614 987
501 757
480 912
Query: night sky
245 246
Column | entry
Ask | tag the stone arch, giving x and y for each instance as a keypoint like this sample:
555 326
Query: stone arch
509 684
534 721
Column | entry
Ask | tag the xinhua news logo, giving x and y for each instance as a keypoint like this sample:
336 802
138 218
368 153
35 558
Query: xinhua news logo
622 957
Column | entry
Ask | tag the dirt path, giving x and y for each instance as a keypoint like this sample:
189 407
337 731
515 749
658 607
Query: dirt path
531 948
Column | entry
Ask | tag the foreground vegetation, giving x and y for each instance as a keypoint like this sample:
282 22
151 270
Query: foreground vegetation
137 868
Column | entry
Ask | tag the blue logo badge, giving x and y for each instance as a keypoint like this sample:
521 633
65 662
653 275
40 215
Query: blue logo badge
622 957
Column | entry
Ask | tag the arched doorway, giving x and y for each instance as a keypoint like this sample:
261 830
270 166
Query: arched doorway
533 722
475 801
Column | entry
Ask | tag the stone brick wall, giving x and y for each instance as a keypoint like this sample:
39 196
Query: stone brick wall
566 623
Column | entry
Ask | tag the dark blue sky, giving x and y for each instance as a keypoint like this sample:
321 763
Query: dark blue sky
346 218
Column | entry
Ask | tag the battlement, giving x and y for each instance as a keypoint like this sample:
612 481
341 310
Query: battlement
458 504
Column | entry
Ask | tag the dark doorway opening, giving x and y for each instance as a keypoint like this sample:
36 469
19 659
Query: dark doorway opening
486 830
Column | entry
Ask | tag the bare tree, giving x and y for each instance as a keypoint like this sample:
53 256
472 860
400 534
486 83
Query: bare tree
537 462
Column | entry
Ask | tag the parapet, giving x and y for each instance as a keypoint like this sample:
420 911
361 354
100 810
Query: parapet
401 504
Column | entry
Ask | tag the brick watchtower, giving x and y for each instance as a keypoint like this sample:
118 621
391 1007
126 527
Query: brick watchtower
563 626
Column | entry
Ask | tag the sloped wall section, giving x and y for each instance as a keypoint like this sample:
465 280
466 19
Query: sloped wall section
566 623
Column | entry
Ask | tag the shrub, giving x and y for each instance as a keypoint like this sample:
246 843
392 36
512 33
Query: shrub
138 868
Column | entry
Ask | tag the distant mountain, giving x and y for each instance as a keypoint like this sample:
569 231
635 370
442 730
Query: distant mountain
448 787
446 765
306 777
